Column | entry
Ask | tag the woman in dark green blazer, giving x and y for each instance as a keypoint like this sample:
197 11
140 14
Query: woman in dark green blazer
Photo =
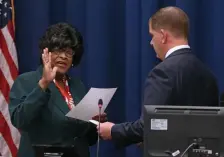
39 100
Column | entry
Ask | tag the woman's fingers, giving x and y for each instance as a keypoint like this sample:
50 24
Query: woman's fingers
49 58
45 56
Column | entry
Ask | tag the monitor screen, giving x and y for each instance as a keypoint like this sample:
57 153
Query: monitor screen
183 131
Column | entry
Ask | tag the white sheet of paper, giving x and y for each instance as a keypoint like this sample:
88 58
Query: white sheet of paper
88 106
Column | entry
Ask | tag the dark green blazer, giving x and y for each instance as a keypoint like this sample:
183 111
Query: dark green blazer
40 115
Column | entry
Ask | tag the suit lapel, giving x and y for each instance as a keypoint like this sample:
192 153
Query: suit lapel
73 90
58 99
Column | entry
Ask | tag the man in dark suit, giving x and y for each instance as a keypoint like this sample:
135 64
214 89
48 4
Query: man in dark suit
180 79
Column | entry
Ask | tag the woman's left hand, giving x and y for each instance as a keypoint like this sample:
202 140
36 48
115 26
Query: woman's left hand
102 118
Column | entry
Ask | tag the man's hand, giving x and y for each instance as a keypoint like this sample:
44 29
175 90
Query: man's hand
102 118
105 130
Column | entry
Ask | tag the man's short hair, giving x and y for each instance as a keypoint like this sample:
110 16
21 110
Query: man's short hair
172 19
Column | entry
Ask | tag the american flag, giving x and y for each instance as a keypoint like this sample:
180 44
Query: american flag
9 135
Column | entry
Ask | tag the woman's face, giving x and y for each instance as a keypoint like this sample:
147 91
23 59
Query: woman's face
62 59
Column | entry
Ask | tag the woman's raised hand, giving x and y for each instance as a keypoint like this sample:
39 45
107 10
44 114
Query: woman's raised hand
49 72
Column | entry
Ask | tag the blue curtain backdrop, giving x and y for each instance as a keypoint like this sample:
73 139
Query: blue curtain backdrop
117 50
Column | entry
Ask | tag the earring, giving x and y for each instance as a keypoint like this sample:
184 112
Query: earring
72 65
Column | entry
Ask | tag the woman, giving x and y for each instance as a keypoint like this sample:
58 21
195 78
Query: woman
39 100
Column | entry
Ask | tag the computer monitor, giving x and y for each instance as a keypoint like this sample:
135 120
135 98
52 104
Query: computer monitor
183 131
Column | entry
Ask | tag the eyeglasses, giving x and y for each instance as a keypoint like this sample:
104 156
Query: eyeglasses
68 53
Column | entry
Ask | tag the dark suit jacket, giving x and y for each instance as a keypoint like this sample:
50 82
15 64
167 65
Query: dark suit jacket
40 116
181 79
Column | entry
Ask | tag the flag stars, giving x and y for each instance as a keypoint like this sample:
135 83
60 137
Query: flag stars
5 12
5 4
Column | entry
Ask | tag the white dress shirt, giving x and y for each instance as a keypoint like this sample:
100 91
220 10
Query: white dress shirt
175 49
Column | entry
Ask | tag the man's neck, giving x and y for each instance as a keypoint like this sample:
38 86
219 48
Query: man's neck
173 45
177 43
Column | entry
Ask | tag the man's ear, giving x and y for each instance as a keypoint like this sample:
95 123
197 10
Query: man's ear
163 36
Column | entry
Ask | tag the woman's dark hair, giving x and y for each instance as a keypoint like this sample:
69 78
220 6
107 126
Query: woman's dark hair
62 36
